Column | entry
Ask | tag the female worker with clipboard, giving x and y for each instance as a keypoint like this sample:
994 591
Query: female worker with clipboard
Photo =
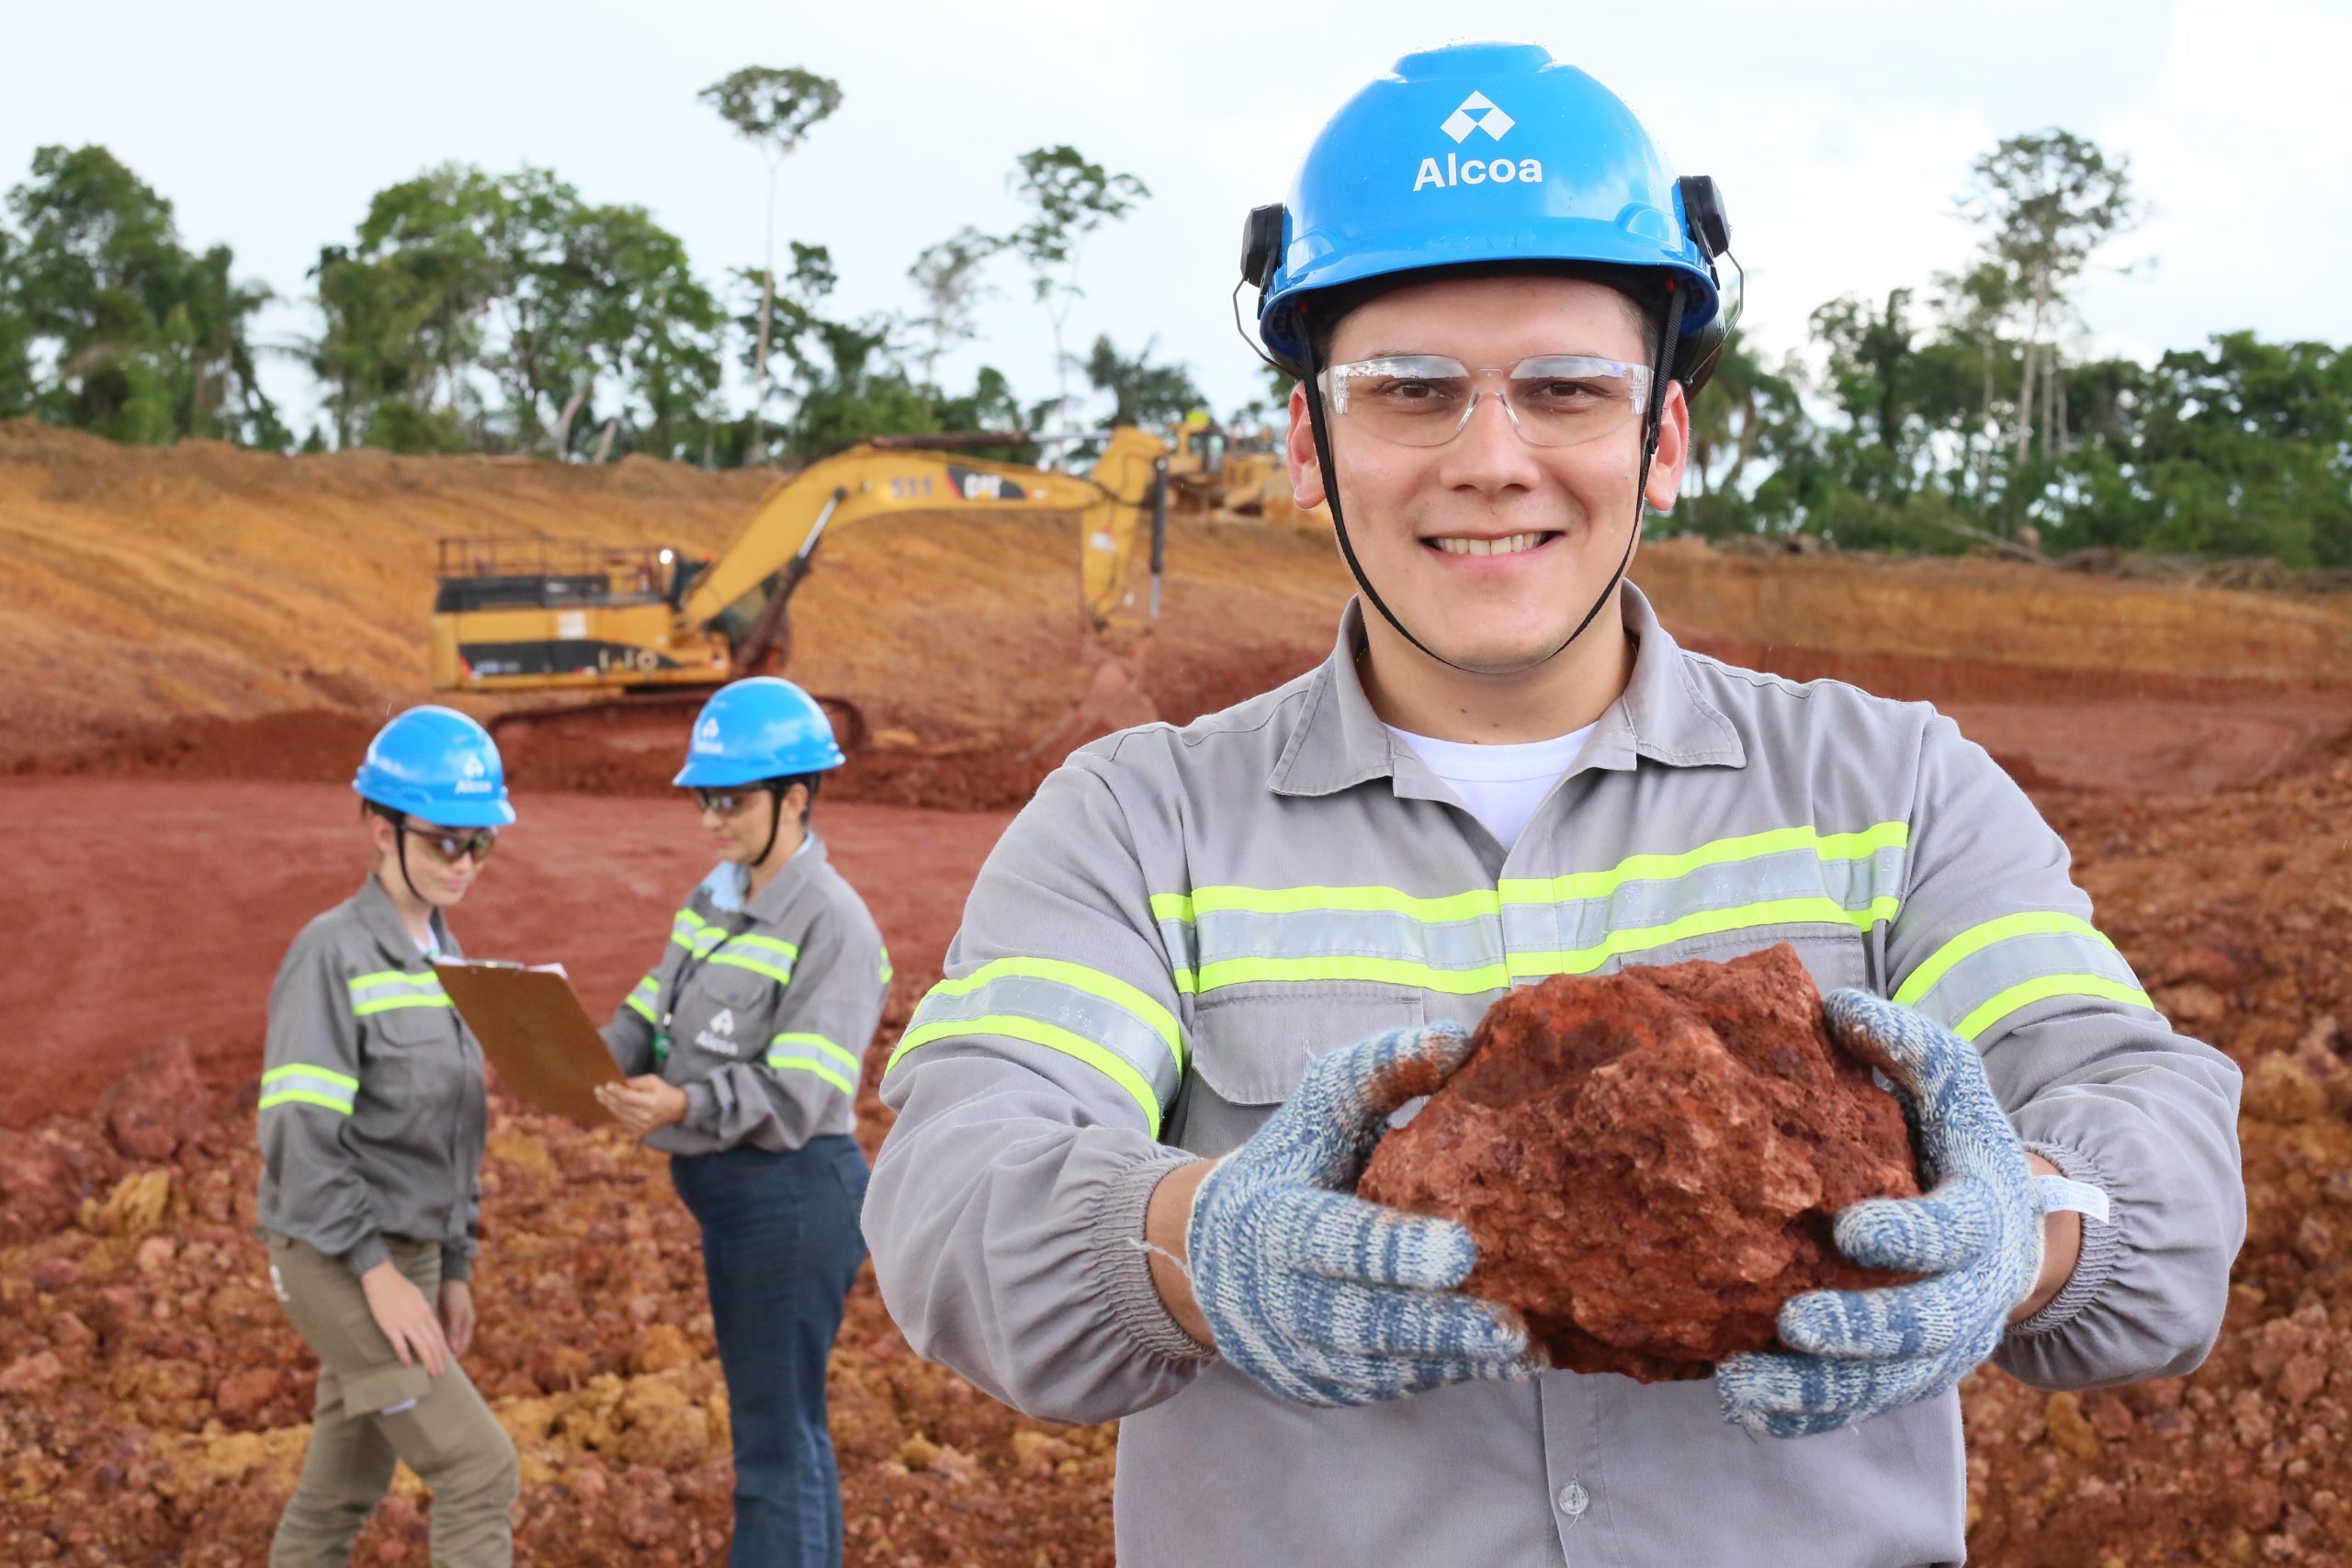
742 1049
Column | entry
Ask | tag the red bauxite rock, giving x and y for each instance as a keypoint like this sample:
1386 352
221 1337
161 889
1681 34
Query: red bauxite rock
1649 1161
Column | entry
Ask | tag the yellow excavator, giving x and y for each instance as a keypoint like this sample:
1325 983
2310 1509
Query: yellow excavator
537 615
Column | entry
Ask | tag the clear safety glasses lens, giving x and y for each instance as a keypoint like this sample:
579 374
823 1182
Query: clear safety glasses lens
1424 399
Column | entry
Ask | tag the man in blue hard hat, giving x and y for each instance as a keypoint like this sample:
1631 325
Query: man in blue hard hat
743 1046
1206 965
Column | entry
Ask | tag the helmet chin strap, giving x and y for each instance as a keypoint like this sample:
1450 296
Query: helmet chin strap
1653 418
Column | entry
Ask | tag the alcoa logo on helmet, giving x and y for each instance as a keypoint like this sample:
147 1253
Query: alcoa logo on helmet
1477 112
706 737
476 775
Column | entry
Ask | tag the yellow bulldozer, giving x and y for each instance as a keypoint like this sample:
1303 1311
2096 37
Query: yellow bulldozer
643 623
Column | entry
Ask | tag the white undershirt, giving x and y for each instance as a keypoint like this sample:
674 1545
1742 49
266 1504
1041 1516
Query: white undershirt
1502 786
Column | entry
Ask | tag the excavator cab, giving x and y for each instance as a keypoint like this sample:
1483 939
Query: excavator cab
526 614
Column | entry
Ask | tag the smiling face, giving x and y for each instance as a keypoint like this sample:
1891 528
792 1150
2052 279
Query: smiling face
1490 548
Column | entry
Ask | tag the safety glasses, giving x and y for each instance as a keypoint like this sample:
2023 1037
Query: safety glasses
1424 399
450 845
726 802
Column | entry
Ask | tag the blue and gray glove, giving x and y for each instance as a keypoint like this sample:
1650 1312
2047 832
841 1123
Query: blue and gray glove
1976 1232
1322 1297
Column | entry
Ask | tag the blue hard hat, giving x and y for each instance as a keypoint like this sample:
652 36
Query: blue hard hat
1483 153
764 728
439 766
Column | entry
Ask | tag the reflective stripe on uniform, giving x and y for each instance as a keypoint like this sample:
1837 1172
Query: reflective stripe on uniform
389 988
760 954
1993 969
886 970
1082 1013
811 1064
645 999
1527 927
799 1042
696 934
308 1086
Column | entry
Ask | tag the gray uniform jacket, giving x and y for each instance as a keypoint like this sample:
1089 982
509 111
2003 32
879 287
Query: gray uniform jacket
760 1012
373 1105
1183 918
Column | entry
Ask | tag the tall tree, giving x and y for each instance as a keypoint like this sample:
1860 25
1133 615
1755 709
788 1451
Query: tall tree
774 109
144 340
2048 200
1069 197
948 275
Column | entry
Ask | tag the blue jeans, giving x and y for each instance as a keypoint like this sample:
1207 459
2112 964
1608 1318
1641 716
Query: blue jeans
781 1246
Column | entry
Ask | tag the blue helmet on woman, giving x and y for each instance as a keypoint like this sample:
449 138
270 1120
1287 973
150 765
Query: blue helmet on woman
756 730
436 765
1486 158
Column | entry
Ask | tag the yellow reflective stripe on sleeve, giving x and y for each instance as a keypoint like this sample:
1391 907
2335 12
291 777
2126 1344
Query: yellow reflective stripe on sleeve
818 1042
638 1005
1975 939
1051 1037
2016 996
308 1086
810 1064
1077 977
1662 868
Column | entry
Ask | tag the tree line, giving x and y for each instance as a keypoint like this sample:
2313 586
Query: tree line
471 310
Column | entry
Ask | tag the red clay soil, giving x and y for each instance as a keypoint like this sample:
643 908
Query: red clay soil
1649 1161
144 911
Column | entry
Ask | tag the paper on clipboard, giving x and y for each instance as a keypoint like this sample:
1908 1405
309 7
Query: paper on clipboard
535 1032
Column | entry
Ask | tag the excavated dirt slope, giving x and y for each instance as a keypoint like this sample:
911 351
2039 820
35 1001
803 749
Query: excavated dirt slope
193 643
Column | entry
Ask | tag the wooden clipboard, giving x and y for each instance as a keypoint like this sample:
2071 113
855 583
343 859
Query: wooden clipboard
535 1032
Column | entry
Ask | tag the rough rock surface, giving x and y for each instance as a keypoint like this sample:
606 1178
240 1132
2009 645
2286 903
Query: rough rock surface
1649 1160
158 1104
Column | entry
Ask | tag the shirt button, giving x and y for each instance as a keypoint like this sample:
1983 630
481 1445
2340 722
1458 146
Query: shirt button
1573 1499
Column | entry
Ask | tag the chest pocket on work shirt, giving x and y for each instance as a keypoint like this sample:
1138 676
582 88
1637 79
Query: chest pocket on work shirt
724 1015
1250 1046
413 1066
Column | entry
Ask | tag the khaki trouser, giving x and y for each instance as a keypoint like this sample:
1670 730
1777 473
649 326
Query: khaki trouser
373 1411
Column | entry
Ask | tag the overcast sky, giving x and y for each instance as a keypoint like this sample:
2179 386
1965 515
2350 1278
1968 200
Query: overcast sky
1840 133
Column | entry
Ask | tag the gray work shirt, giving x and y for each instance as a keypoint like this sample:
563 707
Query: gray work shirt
373 1104
1183 918
761 1009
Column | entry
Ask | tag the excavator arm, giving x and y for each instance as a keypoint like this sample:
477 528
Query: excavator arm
745 592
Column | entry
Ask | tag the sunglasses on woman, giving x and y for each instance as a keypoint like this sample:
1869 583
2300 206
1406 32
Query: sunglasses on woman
450 845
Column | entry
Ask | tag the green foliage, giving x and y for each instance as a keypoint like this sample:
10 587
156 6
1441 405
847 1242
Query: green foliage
505 312
1142 393
108 323
774 109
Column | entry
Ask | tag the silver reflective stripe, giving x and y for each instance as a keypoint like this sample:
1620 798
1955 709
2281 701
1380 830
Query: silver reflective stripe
1993 970
1478 940
320 1086
1083 1013
645 999
390 988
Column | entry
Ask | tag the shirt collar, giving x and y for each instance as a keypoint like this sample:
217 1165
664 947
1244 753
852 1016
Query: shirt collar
768 905
1341 742
382 920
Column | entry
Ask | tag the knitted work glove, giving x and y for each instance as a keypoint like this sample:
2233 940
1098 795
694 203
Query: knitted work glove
1322 1297
1976 1232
